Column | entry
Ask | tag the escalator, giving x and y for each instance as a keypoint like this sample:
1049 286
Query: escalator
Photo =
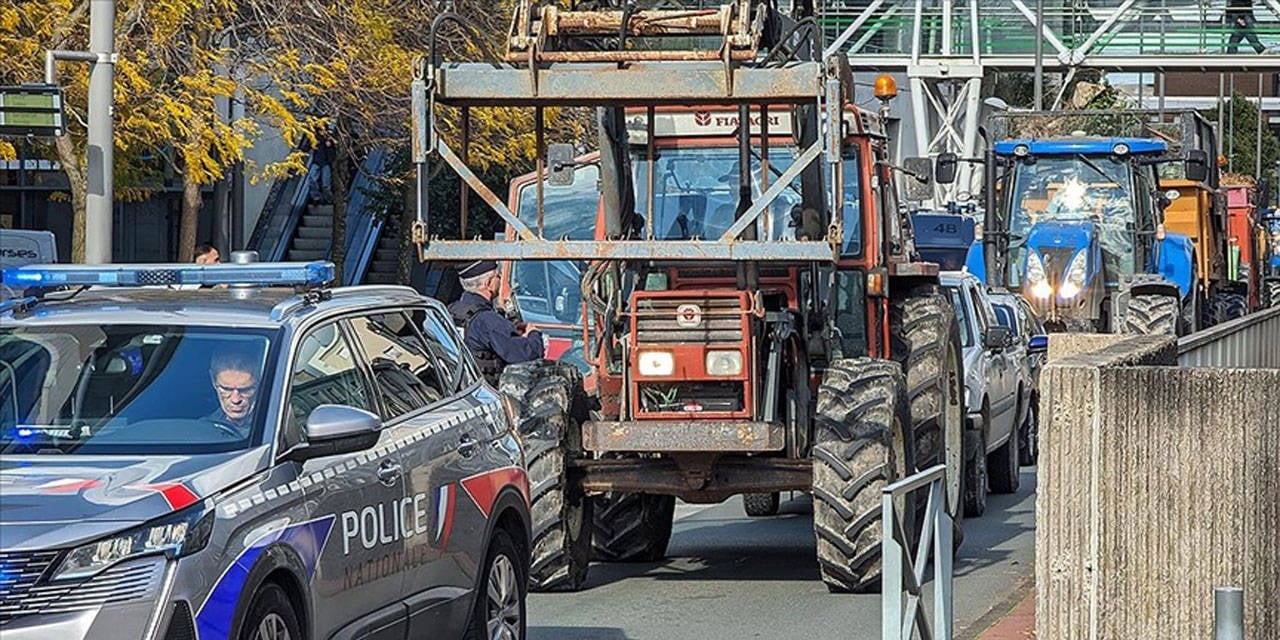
292 228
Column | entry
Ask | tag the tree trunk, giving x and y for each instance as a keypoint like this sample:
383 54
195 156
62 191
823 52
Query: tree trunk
71 165
408 253
191 202
341 187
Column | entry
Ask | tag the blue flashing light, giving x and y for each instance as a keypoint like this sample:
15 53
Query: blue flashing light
1087 146
141 275
24 432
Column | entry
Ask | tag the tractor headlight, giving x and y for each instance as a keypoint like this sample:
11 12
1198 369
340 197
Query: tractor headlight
724 363
656 363
180 534
1040 287
1073 283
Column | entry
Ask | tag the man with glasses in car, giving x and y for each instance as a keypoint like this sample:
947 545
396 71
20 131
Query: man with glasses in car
235 382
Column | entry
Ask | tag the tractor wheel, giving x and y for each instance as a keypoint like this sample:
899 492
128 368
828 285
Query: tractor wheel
759 505
1271 293
1234 305
925 340
631 527
552 407
860 446
1152 315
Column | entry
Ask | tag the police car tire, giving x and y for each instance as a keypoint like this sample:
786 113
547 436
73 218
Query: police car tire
1152 315
500 546
631 527
270 600
551 405
760 505
860 447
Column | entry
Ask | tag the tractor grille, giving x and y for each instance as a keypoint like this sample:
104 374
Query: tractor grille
1055 268
691 397
123 583
721 322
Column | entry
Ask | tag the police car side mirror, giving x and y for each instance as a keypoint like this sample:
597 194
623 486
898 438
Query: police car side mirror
997 338
334 429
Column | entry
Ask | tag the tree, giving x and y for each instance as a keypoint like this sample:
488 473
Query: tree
355 63
175 65
1239 135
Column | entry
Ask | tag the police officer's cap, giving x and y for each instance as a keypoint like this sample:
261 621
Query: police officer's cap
477 268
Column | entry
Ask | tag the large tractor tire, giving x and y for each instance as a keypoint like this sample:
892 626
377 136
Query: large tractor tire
1152 315
861 445
552 407
1271 293
761 505
1225 306
925 340
631 527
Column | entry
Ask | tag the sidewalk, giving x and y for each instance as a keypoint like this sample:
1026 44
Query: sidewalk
1018 624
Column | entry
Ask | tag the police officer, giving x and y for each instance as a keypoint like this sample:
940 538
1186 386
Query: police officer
495 341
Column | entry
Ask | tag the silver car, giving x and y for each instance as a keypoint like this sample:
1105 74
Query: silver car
250 462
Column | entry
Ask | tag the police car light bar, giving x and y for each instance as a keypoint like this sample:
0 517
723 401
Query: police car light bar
141 275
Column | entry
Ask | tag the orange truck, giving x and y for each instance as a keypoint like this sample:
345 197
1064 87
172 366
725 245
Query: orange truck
1247 240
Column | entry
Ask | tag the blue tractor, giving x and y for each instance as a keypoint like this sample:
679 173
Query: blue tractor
1075 222
1271 259
944 237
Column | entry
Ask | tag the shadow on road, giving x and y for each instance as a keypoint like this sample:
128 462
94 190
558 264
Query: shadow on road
575 633
1007 517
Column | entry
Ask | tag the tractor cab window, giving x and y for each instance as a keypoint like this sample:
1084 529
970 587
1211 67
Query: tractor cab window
1071 198
549 292
695 192
851 243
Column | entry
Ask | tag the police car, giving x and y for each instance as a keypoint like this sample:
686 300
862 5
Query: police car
249 461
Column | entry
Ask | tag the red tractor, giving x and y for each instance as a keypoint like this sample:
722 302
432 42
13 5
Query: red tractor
754 313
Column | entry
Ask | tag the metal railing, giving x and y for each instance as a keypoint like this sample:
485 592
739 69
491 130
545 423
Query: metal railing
901 590
1249 342
1007 27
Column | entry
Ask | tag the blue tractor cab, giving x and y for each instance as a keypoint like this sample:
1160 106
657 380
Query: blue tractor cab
943 237
1074 222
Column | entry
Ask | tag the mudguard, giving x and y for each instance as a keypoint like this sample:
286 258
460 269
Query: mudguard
1175 261
976 261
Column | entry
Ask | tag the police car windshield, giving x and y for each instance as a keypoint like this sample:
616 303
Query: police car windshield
131 389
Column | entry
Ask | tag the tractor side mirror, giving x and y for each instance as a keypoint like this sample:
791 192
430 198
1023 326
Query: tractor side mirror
561 165
919 178
945 168
1196 165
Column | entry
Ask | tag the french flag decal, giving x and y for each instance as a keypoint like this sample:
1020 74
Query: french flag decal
444 514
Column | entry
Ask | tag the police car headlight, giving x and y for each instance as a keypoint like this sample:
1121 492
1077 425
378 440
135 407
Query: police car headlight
656 363
724 363
180 534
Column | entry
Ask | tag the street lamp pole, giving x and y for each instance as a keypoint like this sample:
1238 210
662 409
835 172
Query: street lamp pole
101 151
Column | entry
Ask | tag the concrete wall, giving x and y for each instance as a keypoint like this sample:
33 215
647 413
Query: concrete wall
1156 484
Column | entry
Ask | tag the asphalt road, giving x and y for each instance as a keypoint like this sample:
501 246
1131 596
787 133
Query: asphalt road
732 577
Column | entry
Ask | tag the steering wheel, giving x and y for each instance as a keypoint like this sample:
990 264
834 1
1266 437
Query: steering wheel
227 429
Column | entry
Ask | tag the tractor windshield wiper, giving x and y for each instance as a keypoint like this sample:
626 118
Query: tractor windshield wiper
1095 167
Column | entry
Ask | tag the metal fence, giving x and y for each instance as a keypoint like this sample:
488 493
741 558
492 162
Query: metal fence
901 590
1251 342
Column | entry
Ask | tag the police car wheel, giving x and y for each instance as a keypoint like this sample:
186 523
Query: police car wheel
499 612
271 617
